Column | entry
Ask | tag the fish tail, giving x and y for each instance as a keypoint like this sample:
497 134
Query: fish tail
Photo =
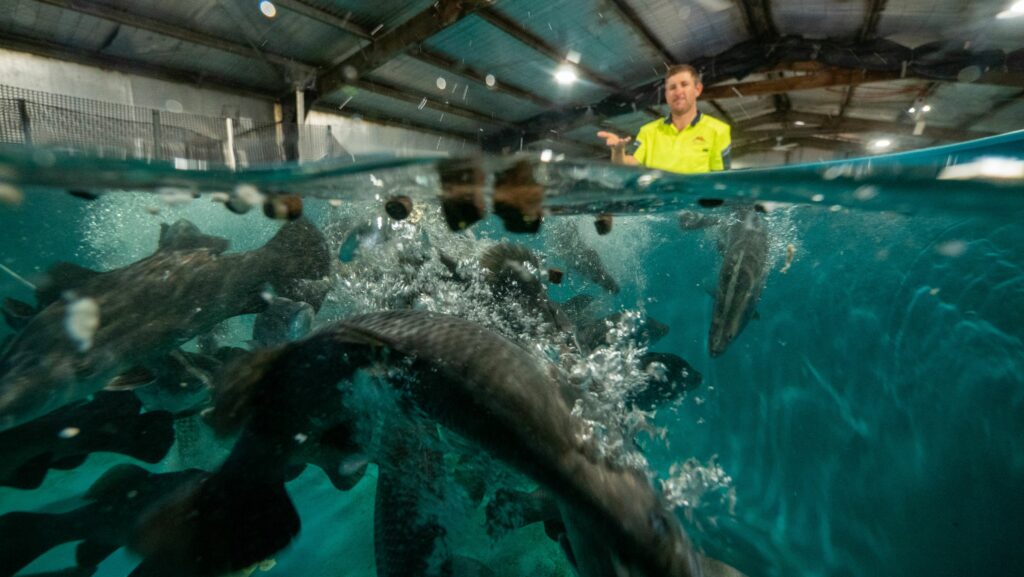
26 536
237 517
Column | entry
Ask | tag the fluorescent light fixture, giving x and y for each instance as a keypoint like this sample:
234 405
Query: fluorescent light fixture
926 108
798 123
912 110
565 74
881 144
268 9
546 155
1015 10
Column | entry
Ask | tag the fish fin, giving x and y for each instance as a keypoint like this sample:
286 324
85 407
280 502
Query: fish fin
61 277
90 553
237 517
30 474
115 480
183 235
68 463
498 258
338 455
27 536
17 313
509 510
311 292
299 250
131 379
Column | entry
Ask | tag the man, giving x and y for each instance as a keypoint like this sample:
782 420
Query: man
686 141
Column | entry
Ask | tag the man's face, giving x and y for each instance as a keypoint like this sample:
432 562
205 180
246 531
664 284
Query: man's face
681 92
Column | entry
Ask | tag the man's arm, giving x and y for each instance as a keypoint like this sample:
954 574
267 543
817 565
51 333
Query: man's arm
618 148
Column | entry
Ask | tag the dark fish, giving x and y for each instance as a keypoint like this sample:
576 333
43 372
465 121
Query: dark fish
284 321
408 536
741 279
64 438
584 259
145 310
692 220
112 507
178 383
17 313
671 376
510 270
592 333
468 378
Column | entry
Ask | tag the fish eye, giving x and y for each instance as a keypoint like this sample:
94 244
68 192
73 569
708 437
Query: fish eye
659 524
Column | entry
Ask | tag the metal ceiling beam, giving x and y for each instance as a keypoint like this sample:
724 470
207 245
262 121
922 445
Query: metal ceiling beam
824 124
133 20
100 60
758 16
721 112
412 32
637 24
323 16
515 30
822 143
406 95
874 16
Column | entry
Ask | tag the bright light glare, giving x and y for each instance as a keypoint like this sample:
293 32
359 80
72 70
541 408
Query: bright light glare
912 110
565 74
268 9
881 144
1017 8
926 108
798 123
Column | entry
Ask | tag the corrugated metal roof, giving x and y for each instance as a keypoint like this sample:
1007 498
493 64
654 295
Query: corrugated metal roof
458 90
690 30
629 124
1005 120
954 104
920 21
379 16
837 19
160 50
597 33
240 21
491 51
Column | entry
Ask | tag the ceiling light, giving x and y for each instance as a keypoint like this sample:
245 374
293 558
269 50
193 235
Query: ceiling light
912 110
268 9
881 144
565 74
926 108
798 123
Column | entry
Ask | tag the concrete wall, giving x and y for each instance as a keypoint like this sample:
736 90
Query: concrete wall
798 155
50 75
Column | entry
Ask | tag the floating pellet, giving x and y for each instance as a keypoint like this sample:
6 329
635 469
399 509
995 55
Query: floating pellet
603 223
283 207
462 198
519 198
555 276
398 207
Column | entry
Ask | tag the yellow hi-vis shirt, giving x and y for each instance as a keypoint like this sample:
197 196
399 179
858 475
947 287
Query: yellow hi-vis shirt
703 146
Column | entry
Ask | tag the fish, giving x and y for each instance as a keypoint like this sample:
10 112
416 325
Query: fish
511 272
584 259
109 510
96 325
284 321
468 378
592 333
741 279
110 422
671 376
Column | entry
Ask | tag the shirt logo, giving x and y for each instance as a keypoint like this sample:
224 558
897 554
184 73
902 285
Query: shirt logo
699 140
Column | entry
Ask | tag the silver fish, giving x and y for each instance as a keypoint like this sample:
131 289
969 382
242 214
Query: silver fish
143 311
741 279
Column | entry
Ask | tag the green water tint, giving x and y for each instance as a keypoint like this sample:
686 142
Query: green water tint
869 423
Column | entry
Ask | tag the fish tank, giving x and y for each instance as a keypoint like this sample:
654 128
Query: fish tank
512 365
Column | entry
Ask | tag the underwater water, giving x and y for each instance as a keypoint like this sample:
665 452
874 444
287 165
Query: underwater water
867 420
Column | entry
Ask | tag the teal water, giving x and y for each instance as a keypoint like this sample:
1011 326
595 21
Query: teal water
869 422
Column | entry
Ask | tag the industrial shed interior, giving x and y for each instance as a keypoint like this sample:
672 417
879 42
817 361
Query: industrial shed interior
798 80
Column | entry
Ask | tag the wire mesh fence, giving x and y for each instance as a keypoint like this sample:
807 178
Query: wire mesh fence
109 130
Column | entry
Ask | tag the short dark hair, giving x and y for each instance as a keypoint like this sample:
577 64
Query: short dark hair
677 68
